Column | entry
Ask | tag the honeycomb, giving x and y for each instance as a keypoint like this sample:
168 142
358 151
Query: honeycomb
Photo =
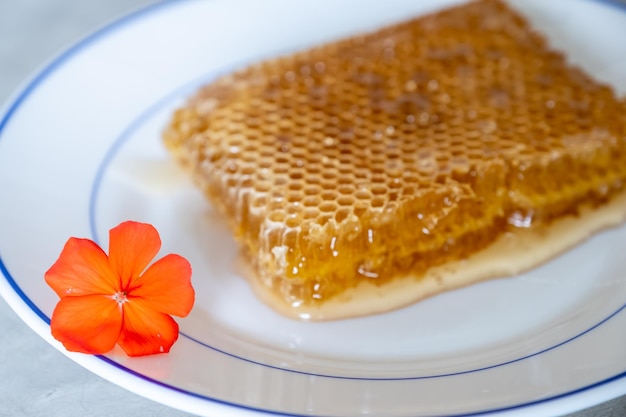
379 156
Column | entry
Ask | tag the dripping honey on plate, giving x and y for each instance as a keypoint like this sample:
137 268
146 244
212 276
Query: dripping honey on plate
359 175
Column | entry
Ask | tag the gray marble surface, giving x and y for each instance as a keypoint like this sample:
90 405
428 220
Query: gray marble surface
35 379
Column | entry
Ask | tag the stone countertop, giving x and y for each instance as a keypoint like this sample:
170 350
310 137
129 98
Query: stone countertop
35 379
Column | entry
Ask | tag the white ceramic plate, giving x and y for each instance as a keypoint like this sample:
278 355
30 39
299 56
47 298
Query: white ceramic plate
80 152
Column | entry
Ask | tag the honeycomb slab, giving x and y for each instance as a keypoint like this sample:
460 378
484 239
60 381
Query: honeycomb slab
370 165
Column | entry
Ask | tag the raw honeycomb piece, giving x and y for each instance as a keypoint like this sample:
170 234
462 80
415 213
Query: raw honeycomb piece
375 158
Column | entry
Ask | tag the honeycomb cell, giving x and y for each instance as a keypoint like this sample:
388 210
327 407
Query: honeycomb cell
314 201
277 216
345 201
328 206
262 186
311 213
379 156
294 197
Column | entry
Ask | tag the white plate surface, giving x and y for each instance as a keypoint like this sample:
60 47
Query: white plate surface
80 152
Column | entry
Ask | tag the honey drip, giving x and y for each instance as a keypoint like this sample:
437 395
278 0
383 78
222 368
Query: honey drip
385 155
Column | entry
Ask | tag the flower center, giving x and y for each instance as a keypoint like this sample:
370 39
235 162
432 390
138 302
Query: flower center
120 297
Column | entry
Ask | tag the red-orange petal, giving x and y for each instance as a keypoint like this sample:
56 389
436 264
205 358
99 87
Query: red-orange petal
166 286
87 324
132 246
82 269
145 331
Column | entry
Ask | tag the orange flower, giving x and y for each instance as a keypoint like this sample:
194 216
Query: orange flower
111 299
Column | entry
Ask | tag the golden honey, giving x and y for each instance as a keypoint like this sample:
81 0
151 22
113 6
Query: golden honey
380 157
